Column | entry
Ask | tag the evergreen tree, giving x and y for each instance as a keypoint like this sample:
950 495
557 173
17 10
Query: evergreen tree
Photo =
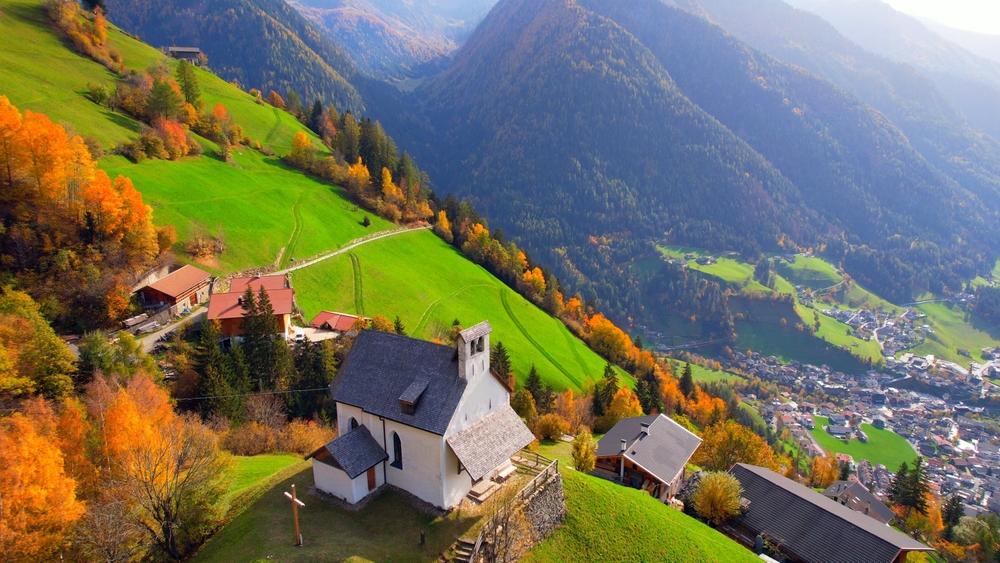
898 486
500 360
398 327
316 117
293 103
605 390
534 386
188 81
845 471
164 101
952 514
638 341
546 399
648 390
349 138
687 381
313 365
918 487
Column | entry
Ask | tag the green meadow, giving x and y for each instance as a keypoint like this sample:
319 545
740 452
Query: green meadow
953 331
256 204
608 522
809 271
428 284
883 446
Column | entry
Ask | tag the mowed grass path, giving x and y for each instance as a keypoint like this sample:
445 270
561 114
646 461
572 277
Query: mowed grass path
608 522
429 284
388 529
256 203
883 446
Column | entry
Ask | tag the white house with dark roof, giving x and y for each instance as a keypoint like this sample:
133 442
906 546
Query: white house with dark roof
432 420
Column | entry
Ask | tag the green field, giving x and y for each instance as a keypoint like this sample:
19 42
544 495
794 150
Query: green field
883 446
951 332
248 471
839 334
608 522
429 284
703 374
388 529
809 271
257 203
39 73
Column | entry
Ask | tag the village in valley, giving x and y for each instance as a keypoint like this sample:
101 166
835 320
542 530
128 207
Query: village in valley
238 322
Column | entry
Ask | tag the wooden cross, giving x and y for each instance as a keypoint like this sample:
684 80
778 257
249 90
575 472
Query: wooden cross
296 503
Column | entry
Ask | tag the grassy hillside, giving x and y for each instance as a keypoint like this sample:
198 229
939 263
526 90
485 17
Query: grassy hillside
257 205
429 284
38 72
249 471
953 332
608 522
809 271
883 446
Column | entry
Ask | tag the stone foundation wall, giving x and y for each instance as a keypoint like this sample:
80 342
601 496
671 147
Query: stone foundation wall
546 509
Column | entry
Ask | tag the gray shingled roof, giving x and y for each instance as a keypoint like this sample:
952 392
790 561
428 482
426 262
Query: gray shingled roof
381 367
859 499
475 331
664 451
491 441
354 452
811 527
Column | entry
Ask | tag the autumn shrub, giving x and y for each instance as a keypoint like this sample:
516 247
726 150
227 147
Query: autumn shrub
717 497
584 451
88 37
252 438
551 427
304 436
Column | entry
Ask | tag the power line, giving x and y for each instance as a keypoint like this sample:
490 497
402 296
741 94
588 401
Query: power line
252 394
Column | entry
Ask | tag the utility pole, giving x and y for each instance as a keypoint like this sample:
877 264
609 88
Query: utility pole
296 503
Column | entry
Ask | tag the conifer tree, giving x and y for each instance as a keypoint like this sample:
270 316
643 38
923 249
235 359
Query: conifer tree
687 381
534 386
398 326
500 360
189 83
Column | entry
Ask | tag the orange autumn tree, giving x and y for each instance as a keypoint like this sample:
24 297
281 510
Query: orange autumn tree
823 471
727 443
81 234
39 498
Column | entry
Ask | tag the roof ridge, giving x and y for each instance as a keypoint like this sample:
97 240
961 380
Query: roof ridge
827 504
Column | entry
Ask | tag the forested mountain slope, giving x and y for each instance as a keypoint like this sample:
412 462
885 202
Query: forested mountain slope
569 133
907 97
970 83
393 39
262 44
587 129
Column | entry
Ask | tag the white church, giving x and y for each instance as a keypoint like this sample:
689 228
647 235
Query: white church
429 419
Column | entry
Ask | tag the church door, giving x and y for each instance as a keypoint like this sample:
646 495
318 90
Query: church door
371 479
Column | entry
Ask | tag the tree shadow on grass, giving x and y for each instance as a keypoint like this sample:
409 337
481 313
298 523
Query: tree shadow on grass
388 528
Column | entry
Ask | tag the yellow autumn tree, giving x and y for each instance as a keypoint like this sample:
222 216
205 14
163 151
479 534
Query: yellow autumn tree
390 191
823 471
442 226
727 443
358 178
302 154
39 498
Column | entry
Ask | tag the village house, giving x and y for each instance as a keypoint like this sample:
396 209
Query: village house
227 308
648 453
431 420
180 290
334 322
855 496
190 54
807 526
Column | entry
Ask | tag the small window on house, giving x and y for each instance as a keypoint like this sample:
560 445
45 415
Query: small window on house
354 423
479 343
397 452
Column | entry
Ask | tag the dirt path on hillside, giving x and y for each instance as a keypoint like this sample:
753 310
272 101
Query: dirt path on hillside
358 242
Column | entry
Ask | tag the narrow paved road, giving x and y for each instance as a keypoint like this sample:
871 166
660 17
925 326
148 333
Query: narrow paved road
149 340
349 247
